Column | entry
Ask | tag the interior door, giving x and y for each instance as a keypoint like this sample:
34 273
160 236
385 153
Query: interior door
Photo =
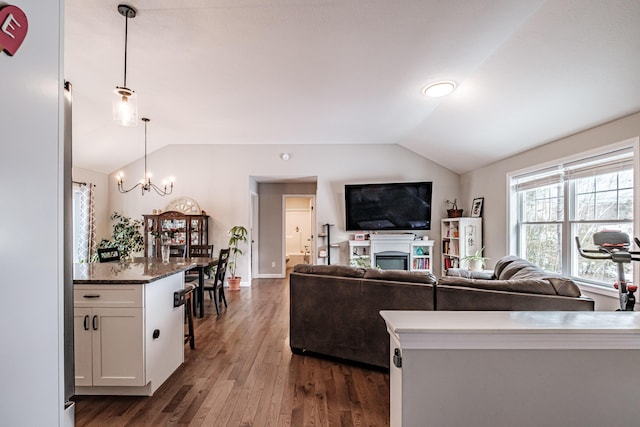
254 234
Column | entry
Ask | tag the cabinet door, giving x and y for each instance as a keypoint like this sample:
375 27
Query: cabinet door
118 343
82 346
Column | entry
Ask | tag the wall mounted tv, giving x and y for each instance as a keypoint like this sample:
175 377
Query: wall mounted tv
393 206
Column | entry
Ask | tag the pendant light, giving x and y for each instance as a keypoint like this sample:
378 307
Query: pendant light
145 183
125 100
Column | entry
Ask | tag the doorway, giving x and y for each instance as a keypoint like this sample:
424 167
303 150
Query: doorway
299 229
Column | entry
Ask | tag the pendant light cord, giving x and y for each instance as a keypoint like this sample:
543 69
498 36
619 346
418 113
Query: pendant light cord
146 177
126 33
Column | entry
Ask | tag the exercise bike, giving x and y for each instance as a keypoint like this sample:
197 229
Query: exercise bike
614 245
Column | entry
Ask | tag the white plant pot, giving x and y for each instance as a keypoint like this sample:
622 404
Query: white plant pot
475 264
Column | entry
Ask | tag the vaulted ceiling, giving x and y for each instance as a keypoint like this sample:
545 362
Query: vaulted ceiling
351 71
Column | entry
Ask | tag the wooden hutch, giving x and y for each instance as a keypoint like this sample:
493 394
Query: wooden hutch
187 229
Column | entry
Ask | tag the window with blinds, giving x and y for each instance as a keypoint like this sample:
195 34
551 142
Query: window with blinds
554 205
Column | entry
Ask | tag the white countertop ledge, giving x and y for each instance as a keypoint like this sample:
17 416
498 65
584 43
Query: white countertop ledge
487 330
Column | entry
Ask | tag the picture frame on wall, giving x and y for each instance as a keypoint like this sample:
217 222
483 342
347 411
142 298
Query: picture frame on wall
476 207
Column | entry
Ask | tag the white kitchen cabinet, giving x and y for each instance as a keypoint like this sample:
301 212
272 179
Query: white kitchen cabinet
108 347
82 346
109 340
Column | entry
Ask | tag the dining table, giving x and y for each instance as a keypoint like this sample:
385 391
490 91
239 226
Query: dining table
201 264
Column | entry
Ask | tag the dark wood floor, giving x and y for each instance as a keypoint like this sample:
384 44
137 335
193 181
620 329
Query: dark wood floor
242 373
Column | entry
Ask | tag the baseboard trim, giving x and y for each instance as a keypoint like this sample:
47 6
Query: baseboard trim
271 276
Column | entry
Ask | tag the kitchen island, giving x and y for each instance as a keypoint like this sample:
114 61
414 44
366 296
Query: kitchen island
129 336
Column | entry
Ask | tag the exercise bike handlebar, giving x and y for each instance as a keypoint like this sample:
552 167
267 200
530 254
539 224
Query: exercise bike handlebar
621 254
590 253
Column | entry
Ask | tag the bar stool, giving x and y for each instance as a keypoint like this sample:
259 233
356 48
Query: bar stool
188 312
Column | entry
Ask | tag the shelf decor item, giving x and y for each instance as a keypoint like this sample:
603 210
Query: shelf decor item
453 211
476 262
476 209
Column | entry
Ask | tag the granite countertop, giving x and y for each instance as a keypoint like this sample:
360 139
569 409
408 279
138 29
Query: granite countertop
139 271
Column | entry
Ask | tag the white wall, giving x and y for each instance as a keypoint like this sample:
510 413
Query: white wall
31 84
490 182
218 178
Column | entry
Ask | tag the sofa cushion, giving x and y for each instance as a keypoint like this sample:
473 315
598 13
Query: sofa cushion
529 286
470 274
400 275
564 286
528 272
330 270
513 267
502 263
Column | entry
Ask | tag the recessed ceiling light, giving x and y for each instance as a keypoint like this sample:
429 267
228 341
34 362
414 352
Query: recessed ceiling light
285 156
439 89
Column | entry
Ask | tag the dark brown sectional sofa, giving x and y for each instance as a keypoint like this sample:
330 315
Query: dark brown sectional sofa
334 310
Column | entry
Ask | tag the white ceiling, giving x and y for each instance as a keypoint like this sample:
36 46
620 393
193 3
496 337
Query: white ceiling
351 71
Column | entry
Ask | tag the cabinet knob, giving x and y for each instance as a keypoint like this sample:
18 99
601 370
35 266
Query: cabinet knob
397 358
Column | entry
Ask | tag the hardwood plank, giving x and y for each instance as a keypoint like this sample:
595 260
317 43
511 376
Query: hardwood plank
242 373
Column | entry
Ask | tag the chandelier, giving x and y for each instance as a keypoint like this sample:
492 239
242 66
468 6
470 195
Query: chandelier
125 100
145 184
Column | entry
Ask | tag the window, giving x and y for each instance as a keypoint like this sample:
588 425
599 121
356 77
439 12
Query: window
553 206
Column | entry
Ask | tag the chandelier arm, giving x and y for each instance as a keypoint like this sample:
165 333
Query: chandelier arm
122 190
162 192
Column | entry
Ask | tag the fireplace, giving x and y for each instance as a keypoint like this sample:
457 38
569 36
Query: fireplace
392 260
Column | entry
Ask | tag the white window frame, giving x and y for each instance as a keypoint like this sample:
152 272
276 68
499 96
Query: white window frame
512 199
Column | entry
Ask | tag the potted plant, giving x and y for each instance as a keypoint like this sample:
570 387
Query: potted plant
475 262
126 236
237 234
453 211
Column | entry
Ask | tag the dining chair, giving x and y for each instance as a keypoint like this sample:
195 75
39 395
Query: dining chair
179 251
201 251
108 254
188 312
215 286
205 251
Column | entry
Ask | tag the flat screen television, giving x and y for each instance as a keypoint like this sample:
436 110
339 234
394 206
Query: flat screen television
393 206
